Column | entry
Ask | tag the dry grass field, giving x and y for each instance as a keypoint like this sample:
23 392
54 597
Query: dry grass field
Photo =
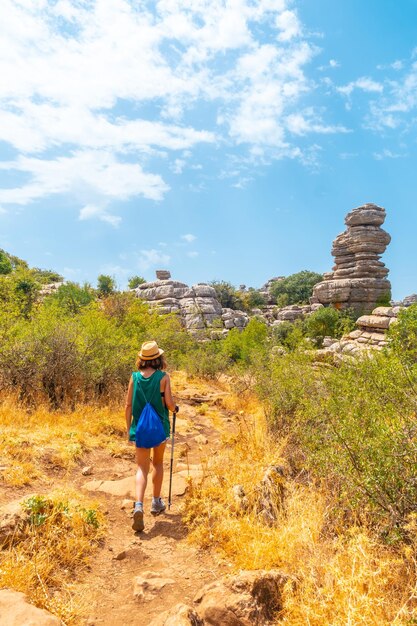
339 574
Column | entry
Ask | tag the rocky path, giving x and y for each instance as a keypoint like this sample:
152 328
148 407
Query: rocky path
136 577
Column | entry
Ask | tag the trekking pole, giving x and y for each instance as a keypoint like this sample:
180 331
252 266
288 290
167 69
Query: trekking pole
174 417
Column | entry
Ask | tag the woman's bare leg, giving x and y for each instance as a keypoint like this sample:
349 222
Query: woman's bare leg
143 463
158 469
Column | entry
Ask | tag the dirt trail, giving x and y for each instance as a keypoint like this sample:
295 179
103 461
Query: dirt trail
162 547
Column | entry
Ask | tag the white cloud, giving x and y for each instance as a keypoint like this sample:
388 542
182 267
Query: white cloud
152 258
83 174
396 65
189 238
91 211
387 154
392 108
308 122
178 166
364 84
288 24
192 254
80 77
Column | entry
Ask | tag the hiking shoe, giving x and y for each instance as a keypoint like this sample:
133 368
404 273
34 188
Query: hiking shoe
158 506
138 524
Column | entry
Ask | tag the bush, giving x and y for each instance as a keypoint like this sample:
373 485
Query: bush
71 297
105 285
135 281
322 323
246 346
354 427
5 264
403 335
206 361
298 287
227 295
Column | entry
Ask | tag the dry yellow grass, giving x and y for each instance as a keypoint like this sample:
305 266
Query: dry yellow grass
60 438
348 579
58 535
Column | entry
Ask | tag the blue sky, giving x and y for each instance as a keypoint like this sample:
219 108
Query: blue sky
220 140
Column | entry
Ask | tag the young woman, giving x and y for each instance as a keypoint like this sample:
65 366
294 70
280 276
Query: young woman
150 383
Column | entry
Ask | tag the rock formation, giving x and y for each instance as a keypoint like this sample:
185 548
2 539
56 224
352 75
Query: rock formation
251 598
359 278
370 334
198 305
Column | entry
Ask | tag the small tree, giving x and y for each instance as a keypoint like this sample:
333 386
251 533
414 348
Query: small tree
135 281
298 287
5 264
106 285
322 323
227 295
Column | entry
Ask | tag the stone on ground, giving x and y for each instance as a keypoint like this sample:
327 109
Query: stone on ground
15 610
149 584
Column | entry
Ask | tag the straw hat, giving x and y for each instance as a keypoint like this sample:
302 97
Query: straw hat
150 351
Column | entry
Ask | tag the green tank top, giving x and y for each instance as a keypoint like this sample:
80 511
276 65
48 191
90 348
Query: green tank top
148 390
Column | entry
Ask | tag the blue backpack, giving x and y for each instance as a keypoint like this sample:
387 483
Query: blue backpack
149 429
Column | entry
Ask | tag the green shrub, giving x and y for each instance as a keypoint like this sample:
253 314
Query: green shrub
206 361
403 335
298 287
247 345
227 295
5 264
322 323
106 285
135 281
71 297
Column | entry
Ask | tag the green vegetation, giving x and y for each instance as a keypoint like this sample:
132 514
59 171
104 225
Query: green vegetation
227 295
135 281
296 289
5 264
106 285
352 426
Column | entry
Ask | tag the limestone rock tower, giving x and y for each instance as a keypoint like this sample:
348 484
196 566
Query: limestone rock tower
359 278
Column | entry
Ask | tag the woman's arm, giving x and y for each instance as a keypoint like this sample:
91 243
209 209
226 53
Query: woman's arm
168 398
128 406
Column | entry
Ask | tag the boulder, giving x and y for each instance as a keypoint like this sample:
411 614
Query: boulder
251 598
15 610
359 278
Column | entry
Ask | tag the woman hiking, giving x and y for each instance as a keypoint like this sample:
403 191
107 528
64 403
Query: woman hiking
149 384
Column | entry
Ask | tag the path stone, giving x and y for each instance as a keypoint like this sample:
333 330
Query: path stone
125 487
149 584
15 610
201 439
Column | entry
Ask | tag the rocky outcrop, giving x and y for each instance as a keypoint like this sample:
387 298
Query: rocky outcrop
409 300
198 305
266 289
359 278
254 598
49 289
370 334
